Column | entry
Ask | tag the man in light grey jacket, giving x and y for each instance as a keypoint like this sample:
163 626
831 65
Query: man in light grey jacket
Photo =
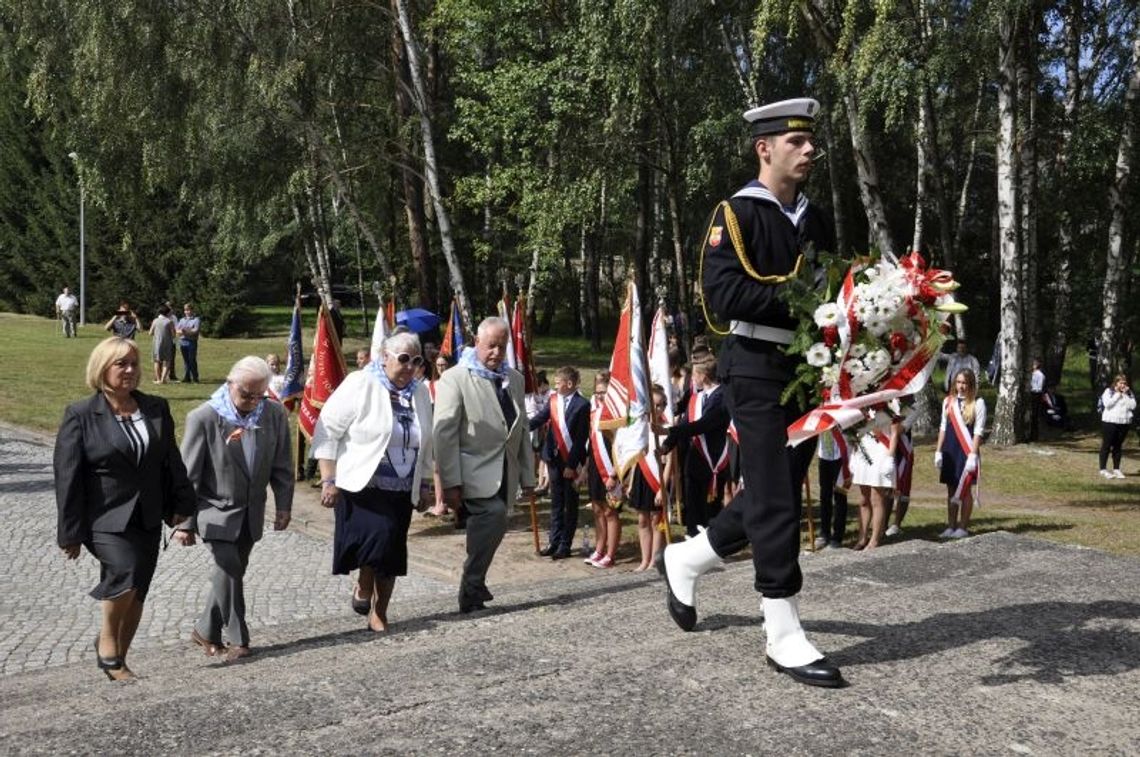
235 446
482 449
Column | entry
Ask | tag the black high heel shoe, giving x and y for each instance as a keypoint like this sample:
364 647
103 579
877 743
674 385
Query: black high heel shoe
107 664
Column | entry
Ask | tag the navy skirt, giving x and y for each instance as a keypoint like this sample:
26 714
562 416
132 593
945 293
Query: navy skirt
372 531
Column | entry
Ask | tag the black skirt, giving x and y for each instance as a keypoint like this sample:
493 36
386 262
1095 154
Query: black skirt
372 531
641 494
594 483
127 560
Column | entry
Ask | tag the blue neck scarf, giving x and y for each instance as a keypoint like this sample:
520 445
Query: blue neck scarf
470 360
223 405
376 368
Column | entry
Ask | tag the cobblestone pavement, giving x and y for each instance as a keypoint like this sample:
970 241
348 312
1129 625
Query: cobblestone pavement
46 617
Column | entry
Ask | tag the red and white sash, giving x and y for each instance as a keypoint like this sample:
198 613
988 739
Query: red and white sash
598 447
904 464
431 391
961 430
648 464
696 410
558 426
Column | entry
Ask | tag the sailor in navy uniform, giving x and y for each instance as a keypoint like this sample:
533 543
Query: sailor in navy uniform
758 240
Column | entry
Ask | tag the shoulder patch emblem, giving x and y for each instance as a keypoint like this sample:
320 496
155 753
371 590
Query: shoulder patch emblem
715 234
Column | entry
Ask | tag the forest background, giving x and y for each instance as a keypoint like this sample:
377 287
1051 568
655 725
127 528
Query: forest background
431 149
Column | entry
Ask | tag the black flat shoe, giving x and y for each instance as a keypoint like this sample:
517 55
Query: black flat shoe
822 672
561 554
469 605
361 606
547 551
685 616
485 594
107 664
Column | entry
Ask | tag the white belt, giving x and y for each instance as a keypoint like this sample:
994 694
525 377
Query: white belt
758 331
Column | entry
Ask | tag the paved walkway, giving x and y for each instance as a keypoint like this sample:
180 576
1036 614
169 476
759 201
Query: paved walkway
47 619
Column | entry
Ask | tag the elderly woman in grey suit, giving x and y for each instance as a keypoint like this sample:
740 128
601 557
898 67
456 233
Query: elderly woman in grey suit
373 443
118 475
236 445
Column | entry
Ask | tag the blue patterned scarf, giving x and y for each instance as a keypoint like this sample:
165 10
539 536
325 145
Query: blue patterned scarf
470 360
376 368
223 405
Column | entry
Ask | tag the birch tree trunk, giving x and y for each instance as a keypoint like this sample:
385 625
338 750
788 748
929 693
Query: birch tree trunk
1007 430
442 217
1066 234
836 182
922 173
1027 121
1117 197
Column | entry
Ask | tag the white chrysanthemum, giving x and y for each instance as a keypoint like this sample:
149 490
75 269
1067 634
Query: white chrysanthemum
880 358
878 326
826 315
871 273
855 367
858 350
830 375
818 355
863 309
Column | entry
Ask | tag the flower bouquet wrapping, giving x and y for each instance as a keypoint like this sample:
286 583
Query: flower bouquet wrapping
868 337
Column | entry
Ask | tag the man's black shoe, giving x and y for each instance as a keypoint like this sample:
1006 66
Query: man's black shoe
469 604
682 614
822 672
548 550
560 554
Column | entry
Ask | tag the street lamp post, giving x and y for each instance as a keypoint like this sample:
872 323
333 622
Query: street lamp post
82 251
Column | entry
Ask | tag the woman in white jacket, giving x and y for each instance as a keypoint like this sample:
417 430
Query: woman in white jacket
373 443
1115 420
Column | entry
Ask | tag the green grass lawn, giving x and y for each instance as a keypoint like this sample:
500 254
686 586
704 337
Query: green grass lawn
1049 489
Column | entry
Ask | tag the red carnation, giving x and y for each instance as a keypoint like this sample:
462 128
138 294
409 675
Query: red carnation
899 342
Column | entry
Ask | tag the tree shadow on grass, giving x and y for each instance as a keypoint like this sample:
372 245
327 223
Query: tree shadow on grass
1059 640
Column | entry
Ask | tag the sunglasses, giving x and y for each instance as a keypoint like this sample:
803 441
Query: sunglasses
403 358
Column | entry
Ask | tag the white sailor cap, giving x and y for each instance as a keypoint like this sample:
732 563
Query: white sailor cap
787 115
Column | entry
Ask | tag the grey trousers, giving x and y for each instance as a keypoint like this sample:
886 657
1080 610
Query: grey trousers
225 604
486 525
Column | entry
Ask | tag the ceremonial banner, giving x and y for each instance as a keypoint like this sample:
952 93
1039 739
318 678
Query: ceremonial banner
452 345
522 345
295 362
627 402
385 323
504 309
658 357
328 371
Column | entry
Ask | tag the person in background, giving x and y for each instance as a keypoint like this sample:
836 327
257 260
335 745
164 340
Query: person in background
1118 405
1036 391
960 360
834 482
567 415
601 481
363 357
66 309
373 442
236 447
338 320
124 323
904 477
873 471
956 453
276 377
162 346
649 496
536 402
118 476
439 509
188 329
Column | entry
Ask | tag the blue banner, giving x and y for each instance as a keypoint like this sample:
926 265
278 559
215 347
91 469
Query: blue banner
295 368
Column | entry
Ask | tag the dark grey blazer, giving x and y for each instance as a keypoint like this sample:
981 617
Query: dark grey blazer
227 490
98 484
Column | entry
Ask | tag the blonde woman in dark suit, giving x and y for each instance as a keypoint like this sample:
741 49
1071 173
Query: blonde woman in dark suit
118 475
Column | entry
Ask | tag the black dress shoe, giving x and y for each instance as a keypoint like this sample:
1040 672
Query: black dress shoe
822 672
548 550
470 604
685 616
560 554
485 594
361 606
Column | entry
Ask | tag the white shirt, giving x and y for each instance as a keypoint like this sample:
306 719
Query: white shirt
957 363
979 419
1037 381
66 303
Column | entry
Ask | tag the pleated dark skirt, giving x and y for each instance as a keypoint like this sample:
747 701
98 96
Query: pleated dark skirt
372 531
126 560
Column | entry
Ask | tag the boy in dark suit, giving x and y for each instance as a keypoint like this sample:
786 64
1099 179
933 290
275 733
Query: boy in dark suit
564 452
